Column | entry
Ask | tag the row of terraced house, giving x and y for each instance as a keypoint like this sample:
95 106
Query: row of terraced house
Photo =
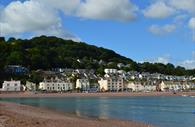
112 81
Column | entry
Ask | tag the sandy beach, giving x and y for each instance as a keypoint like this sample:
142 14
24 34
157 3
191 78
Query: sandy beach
15 115
124 94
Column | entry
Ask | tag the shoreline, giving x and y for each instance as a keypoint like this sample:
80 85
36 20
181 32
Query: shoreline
17 115
122 94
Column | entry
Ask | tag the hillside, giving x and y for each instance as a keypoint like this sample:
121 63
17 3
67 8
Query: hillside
52 52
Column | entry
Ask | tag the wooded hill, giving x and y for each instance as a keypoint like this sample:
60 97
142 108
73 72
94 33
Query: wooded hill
52 52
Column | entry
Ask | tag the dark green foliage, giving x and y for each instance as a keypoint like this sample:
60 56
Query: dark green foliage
52 52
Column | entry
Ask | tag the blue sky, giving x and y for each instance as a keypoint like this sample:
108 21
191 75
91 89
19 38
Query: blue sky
152 30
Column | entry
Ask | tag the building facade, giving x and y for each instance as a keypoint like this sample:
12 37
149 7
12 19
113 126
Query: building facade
110 71
11 86
83 84
58 86
114 84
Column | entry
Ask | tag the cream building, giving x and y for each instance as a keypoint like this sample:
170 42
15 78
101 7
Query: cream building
83 84
141 87
112 83
135 86
12 86
170 85
57 86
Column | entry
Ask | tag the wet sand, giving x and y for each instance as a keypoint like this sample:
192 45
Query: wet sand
124 94
15 115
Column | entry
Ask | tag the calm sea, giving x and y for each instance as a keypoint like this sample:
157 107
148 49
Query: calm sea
160 111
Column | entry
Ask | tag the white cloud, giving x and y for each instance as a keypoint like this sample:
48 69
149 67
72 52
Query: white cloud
180 19
185 5
67 6
32 17
162 30
121 10
43 17
158 10
192 23
188 64
19 17
192 26
162 59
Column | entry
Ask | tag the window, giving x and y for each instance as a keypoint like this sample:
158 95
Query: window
7 84
16 84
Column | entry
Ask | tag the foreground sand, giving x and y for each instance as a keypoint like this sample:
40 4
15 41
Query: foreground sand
124 94
15 115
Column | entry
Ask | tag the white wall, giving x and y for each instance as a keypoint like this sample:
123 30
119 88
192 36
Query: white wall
11 86
55 86
83 84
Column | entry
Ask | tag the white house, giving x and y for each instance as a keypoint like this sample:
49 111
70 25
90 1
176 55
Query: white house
110 71
113 83
12 86
171 85
163 87
135 86
149 88
83 84
57 86
141 87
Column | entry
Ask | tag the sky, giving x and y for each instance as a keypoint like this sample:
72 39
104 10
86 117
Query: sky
157 31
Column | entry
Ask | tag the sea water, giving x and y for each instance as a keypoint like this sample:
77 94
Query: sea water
159 111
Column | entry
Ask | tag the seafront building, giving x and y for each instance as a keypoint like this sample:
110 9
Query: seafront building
175 86
135 87
56 85
12 86
83 84
111 82
60 80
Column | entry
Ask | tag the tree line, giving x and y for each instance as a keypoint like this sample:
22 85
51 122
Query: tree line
51 52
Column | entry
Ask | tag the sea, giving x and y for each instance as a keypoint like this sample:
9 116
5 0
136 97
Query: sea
161 111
